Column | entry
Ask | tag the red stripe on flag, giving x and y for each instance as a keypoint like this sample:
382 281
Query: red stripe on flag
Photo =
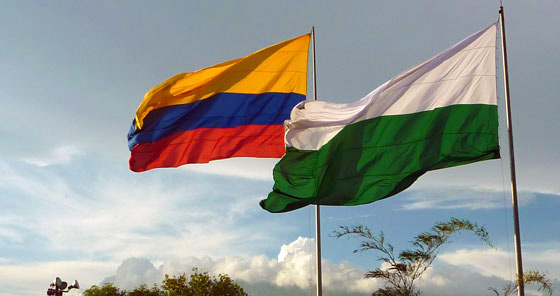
205 144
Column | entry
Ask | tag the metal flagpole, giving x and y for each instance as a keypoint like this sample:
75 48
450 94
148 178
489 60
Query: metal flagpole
519 261
317 210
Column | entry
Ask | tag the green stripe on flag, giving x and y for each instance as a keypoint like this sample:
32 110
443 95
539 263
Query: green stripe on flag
373 159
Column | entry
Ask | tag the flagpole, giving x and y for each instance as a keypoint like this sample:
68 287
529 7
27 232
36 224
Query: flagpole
517 236
317 210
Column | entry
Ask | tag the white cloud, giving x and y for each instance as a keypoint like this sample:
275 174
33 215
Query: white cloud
295 269
134 272
302 244
109 215
443 280
461 198
58 155
457 271
251 168
124 215
497 262
494 175
470 271
487 262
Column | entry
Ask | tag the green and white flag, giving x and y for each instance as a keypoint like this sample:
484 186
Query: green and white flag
441 113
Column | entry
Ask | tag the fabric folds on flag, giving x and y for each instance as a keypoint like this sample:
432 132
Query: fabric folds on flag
441 113
233 109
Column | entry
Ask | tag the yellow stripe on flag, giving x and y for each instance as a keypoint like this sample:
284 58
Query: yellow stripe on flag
278 68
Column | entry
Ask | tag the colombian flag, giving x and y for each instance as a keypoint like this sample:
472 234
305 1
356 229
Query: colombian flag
233 109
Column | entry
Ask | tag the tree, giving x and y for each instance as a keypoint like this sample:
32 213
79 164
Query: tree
403 270
107 289
529 277
201 284
175 286
143 290
198 284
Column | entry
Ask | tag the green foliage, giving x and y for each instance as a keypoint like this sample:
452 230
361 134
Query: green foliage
198 284
530 277
174 286
107 289
143 290
201 284
409 265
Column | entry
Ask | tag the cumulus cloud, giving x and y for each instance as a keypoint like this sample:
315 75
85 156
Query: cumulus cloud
293 272
294 268
134 272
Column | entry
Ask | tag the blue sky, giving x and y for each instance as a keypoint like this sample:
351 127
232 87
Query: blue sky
74 73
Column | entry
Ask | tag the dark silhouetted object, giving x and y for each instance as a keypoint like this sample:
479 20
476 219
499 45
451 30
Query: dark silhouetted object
57 287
